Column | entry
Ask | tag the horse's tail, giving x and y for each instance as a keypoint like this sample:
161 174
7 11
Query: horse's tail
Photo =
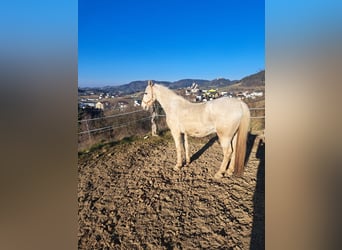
241 141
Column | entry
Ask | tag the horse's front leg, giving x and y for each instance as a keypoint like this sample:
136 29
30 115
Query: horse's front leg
186 149
178 138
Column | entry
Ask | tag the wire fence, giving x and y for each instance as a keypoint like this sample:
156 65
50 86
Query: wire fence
112 127
111 116
137 111
116 126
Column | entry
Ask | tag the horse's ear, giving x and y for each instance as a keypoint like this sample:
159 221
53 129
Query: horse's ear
150 83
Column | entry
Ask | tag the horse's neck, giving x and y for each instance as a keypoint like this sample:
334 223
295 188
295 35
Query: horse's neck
167 97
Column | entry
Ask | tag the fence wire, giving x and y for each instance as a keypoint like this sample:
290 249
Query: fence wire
103 129
111 116
112 127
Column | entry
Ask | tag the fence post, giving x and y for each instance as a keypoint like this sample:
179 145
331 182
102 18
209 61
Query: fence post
89 136
153 121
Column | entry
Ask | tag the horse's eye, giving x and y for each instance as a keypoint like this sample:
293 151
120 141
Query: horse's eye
145 93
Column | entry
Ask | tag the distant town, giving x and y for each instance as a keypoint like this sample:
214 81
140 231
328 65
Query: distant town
193 93
112 99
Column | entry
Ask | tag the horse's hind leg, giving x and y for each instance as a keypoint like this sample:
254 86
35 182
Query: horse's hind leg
227 152
231 165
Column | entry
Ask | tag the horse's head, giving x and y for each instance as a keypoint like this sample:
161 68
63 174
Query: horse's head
149 96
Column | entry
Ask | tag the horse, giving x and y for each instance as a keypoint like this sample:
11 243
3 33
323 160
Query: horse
227 117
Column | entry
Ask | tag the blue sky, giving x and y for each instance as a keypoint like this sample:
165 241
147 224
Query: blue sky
125 40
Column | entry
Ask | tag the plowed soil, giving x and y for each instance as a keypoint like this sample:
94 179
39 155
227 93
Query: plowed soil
131 198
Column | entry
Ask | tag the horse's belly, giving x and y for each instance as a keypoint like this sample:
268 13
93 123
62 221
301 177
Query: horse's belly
200 132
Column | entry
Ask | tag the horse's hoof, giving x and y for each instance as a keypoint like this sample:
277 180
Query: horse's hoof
229 173
218 176
176 168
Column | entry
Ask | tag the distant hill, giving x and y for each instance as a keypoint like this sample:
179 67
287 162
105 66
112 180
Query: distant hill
257 79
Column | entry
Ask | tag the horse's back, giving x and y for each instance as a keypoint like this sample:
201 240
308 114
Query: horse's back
226 106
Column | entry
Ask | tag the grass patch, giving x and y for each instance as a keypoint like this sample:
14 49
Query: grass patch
102 145
165 135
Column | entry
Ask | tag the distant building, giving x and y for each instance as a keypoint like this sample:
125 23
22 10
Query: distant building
83 105
122 105
212 94
99 105
137 103
193 89
240 95
199 98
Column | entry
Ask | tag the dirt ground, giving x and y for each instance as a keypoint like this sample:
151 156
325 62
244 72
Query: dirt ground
131 198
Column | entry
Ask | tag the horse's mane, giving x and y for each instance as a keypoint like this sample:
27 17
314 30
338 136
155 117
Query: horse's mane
170 93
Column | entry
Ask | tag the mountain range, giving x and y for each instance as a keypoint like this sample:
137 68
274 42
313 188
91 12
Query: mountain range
257 79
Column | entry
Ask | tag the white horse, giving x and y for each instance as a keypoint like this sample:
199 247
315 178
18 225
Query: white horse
228 117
